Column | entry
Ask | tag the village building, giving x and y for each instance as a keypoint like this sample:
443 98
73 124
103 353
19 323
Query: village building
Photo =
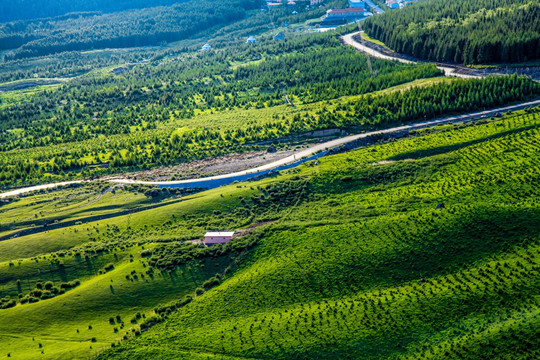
392 4
251 40
341 15
357 4
219 237
315 2
206 47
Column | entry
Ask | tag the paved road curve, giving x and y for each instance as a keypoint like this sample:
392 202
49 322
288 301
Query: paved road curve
349 40
290 161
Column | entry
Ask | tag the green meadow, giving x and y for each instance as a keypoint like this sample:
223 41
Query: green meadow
417 244
420 247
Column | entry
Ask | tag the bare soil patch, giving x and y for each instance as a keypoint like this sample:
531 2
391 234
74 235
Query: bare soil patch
211 166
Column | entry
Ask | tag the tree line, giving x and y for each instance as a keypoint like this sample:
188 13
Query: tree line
13 10
130 28
89 107
151 149
462 31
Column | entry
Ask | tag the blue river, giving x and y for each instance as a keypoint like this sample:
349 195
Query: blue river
214 183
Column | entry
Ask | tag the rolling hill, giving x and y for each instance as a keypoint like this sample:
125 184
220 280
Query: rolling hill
425 246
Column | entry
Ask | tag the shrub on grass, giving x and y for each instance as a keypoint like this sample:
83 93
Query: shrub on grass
70 284
210 283
150 322
7 302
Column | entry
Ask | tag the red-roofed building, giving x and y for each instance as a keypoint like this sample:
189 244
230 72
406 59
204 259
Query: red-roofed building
392 4
344 14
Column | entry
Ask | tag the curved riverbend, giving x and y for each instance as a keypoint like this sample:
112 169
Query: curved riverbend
289 162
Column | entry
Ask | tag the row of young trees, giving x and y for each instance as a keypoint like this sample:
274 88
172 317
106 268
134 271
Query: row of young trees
470 32
90 107
144 151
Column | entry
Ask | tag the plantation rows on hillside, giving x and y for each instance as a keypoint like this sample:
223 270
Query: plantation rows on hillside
370 267
162 147
423 247
470 32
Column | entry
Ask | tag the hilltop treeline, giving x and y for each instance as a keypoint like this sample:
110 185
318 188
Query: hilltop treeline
90 30
429 102
23 9
462 31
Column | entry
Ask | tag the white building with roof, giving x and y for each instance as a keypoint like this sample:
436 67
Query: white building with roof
218 237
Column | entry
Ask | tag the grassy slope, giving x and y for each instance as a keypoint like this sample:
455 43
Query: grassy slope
61 324
368 268
337 276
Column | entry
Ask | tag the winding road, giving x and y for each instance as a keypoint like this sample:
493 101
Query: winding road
448 71
288 162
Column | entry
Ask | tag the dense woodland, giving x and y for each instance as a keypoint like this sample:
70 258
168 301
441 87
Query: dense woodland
138 106
222 21
74 63
124 153
462 31
91 30
59 133
11 10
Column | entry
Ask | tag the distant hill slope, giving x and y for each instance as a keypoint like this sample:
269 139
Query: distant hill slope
128 28
422 248
463 31
11 10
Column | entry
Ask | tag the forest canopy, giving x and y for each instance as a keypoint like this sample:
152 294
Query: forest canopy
94 30
11 10
462 31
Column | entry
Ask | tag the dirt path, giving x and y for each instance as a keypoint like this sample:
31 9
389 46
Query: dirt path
296 159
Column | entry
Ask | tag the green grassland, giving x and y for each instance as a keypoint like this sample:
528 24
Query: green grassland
62 324
352 259
369 268
76 204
